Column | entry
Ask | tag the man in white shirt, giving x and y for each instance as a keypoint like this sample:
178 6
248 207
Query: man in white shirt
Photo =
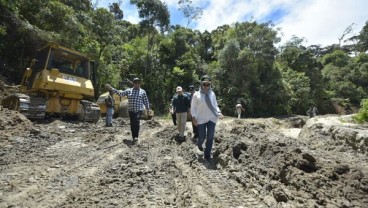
205 113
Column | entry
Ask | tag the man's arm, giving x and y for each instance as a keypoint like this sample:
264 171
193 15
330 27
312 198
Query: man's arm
145 101
120 93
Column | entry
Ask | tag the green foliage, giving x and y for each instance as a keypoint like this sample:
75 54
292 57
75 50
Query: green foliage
337 58
241 59
362 38
154 14
298 89
362 115
246 60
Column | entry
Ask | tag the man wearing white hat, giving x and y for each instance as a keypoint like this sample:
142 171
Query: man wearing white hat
181 105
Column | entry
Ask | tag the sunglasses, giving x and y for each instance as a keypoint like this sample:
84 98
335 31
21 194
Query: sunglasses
136 82
206 84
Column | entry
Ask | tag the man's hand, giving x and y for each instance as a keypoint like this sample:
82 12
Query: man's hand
221 116
194 121
108 87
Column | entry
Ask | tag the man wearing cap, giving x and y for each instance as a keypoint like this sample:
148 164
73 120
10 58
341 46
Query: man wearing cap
110 102
137 100
205 113
181 105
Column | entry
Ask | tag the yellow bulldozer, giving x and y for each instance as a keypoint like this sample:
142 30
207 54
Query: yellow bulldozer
57 83
121 107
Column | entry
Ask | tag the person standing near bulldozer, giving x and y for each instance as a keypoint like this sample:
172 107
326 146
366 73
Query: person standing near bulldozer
137 100
110 102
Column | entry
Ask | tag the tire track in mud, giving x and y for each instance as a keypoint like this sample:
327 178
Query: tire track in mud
158 172
203 182
216 187
58 169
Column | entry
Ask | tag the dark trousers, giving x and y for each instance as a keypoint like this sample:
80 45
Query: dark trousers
195 131
134 123
173 116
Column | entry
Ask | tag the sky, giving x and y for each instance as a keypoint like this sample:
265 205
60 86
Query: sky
319 22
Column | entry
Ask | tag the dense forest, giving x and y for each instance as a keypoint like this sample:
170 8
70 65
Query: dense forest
244 60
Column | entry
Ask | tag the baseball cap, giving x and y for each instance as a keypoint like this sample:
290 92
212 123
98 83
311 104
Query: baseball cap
179 89
205 78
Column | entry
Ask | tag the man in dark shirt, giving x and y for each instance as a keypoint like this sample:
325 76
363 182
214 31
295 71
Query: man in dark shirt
181 105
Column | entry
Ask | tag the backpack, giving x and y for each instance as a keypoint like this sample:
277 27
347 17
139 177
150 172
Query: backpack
108 101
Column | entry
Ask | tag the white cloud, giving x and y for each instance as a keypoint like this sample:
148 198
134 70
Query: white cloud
319 21
323 22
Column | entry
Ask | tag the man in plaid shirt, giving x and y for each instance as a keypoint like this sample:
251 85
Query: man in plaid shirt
137 99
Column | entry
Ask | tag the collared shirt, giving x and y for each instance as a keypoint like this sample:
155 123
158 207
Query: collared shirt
200 110
181 103
137 99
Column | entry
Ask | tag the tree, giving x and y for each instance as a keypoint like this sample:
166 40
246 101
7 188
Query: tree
363 39
247 60
190 12
347 31
115 9
154 14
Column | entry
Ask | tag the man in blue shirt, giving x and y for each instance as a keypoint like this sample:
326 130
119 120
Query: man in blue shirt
137 100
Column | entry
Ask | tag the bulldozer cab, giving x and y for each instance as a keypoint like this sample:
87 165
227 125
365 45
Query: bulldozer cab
55 58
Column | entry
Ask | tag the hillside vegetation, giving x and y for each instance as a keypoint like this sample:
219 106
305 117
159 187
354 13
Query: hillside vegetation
242 59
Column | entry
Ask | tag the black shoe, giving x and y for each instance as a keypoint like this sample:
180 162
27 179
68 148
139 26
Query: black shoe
207 158
200 148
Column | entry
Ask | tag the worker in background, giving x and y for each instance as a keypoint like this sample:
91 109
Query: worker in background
109 102
239 108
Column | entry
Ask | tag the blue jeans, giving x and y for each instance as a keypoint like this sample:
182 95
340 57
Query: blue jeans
109 114
206 131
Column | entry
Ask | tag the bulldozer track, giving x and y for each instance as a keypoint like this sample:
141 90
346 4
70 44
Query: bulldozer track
88 165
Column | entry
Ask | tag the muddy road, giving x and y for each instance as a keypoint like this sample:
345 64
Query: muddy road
271 162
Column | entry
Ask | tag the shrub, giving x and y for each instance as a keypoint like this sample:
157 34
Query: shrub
362 115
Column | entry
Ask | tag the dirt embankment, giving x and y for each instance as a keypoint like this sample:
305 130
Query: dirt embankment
289 162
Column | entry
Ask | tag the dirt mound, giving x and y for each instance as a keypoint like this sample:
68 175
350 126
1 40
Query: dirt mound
6 90
255 164
14 123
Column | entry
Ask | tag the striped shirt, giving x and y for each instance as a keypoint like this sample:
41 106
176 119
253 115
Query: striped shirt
137 98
